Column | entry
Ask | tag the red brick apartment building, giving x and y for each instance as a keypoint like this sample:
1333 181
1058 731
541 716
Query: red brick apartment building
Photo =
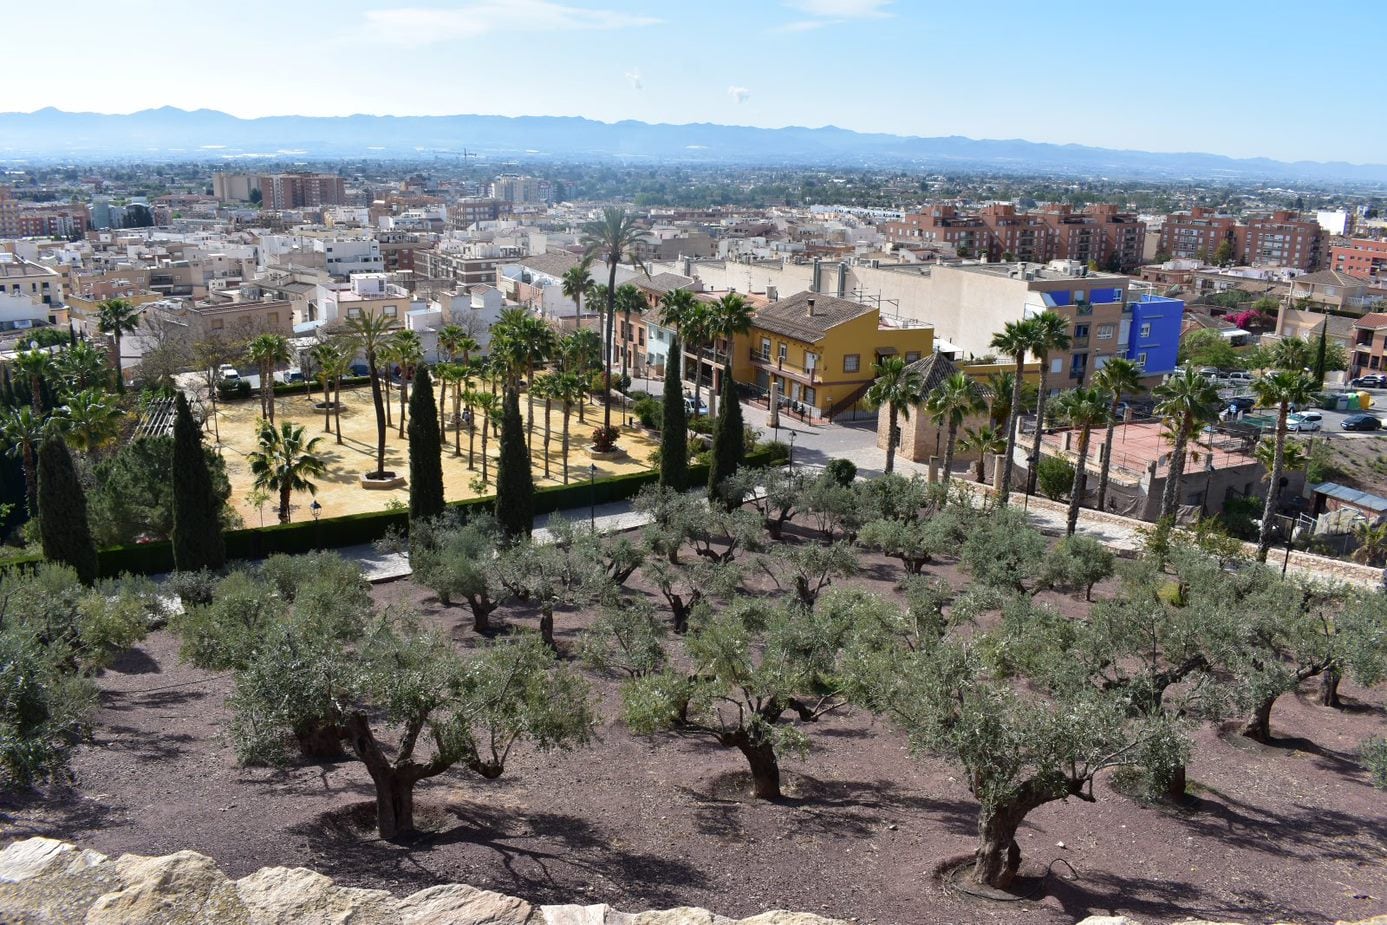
1098 233
1279 239
301 190
1361 257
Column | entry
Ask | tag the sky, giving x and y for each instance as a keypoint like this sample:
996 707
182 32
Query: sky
1245 78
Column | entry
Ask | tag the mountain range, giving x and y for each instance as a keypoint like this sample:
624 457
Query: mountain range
168 134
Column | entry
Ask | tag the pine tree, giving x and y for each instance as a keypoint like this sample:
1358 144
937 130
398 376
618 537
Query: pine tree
63 524
515 487
674 428
197 531
425 452
729 438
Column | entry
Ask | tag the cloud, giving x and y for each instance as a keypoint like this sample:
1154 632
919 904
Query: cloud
829 12
634 77
739 94
426 26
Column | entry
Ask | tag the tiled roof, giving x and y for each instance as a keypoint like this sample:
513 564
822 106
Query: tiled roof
555 264
790 316
665 282
1332 278
933 370
1373 320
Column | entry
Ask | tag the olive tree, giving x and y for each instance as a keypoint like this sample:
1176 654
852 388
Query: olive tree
808 568
1000 548
1077 562
435 708
456 560
554 575
753 676
780 497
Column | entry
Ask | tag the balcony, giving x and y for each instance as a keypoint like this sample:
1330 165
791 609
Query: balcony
1079 343
785 368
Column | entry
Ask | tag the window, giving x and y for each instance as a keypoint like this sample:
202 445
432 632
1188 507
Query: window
1140 359
1105 332
809 396
1080 331
784 351
1145 329
811 360
912 355
852 362
1056 365
353 313
765 348
389 311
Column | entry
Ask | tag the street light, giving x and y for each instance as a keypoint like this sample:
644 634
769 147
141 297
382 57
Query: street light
792 452
316 508
592 497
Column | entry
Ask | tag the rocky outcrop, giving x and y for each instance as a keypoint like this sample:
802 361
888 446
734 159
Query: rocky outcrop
1123 920
48 882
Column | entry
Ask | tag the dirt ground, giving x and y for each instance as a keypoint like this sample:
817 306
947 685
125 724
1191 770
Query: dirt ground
1287 832
340 491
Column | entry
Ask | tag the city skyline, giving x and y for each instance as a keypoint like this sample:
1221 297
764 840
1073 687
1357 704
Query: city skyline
864 65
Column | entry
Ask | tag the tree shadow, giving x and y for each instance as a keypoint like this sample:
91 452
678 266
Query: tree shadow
1162 899
60 812
145 745
538 856
134 661
1314 834
123 701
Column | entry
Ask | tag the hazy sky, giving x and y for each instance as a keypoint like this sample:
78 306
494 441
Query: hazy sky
1240 77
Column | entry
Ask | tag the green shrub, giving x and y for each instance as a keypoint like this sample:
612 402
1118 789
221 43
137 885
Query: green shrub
1054 476
1374 754
842 471
649 412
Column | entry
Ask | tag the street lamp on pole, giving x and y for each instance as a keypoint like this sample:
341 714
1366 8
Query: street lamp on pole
592 497
316 508
792 452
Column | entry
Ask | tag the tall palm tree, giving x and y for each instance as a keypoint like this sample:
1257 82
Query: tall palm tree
490 405
1185 401
386 356
450 338
692 318
1292 353
1280 388
36 367
1016 339
24 431
613 238
1000 387
630 301
117 317
408 351
83 366
1086 407
577 283
285 462
338 365
986 441
371 332
268 352
899 388
1118 377
91 420
543 387
948 405
525 343
726 318
327 356
568 390
1050 332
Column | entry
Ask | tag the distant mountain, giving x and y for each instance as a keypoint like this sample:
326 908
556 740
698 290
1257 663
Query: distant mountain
204 134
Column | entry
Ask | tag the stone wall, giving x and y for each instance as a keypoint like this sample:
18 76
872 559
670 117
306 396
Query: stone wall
48 882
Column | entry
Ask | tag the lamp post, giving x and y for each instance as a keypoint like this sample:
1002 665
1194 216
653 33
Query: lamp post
592 497
792 452
316 508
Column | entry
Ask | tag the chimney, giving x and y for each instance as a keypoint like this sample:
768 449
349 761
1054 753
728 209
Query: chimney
811 308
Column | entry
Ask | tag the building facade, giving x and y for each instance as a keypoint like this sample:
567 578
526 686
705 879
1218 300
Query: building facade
301 190
1282 239
1360 257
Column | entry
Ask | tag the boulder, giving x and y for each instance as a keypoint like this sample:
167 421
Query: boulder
299 896
184 888
459 904
41 857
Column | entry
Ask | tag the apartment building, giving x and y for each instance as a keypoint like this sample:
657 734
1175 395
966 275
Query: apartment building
300 190
1100 233
519 190
9 214
1360 257
234 187
234 320
1282 239
462 267
367 294
1369 352
30 294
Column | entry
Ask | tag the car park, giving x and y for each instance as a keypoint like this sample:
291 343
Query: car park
1239 377
1304 422
1361 421
1243 403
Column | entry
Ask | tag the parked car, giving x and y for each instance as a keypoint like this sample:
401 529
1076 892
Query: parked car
1243 403
1304 422
1368 382
228 372
1240 377
694 405
1361 421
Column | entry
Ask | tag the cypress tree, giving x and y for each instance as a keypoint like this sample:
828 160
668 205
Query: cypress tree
729 438
197 530
63 523
515 488
674 430
1321 354
425 453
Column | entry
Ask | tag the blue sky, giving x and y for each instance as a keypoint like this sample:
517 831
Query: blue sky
1238 77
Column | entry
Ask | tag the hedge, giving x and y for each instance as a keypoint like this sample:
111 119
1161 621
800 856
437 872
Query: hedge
358 529
292 388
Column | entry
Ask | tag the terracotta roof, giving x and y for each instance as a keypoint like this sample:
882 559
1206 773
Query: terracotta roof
933 370
555 264
665 282
790 316
1332 278
1373 320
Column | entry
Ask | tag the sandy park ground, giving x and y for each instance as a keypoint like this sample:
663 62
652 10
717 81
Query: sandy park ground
340 492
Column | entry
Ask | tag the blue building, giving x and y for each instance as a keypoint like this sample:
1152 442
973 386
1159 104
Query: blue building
1153 339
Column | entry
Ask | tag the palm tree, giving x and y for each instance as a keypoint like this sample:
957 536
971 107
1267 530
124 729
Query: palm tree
1084 408
490 405
1051 332
386 356
577 283
1282 388
543 387
1185 401
1016 339
1292 353
117 317
450 339
371 333
948 405
580 353
91 420
899 387
1118 377
525 342
727 317
985 441
24 431
408 351
328 356
285 462
692 319
267 352
629 300
83 366
568 390
1372 543
1293 455
1000 387
614 238
36 366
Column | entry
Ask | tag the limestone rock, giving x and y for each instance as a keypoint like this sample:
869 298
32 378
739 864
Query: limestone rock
41 857
459 904
599 914
1108 920
793 918
299 896
184 888
684 915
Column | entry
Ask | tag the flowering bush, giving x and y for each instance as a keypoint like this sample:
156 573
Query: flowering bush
604 439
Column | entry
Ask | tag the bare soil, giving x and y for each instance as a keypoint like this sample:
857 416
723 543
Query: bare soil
1291 831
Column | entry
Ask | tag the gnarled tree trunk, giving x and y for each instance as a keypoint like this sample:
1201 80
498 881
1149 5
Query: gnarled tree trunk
1329 688
481 606
1258 725
765 769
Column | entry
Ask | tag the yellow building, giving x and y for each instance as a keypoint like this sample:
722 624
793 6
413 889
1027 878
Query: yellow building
820 350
